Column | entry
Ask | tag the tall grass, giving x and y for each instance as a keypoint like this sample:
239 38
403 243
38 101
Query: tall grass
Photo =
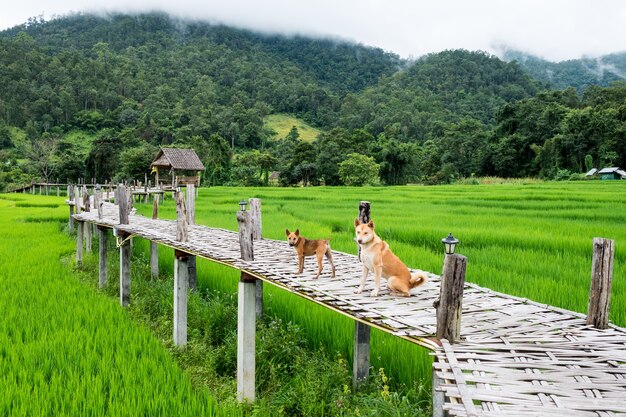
66 351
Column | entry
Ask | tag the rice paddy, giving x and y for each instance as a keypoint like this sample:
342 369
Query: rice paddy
64 349
531 240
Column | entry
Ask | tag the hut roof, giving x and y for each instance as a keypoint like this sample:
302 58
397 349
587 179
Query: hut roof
592 171
608 170
176 158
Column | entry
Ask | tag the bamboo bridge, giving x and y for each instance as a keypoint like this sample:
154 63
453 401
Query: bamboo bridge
513 357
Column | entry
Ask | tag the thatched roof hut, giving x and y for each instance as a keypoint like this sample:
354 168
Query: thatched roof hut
182 164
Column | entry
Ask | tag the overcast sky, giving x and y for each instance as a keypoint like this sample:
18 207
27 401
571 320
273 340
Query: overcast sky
553 29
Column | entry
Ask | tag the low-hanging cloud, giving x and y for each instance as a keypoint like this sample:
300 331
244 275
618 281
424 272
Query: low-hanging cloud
555 29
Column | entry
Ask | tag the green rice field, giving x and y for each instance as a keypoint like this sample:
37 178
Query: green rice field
531 240
66 350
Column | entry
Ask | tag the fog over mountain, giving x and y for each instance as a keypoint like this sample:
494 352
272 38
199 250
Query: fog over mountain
556 30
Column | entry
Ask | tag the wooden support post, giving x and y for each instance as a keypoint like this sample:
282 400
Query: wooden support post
438 396
77 199
70 197
88 238
125 248
79 243
601 282
191 220
103 273
47 188
125 254
121 199
450 300
87 228
361 364
154 247
181 216
257 234
181 272
97 200
364 217
246 316
58 190
255 218
86 201
361 361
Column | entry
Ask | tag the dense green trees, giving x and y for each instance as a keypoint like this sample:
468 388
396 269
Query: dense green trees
358 169
578 73
134 83
557 130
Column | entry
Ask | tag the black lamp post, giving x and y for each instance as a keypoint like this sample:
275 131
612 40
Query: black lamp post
242 204
450 243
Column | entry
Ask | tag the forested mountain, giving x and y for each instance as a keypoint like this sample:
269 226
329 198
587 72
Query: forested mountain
578 73
89 96
442 87
134 58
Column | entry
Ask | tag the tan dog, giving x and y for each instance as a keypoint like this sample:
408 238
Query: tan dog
378 258
305 247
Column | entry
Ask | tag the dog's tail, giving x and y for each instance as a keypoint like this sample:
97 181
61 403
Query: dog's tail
329 256
418 278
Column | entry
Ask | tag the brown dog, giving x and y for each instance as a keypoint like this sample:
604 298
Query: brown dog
378 258
305 247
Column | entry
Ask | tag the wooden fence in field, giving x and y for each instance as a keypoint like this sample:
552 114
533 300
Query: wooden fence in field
138 188
512 356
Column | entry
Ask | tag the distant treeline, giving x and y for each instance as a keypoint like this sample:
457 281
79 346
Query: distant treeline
87 96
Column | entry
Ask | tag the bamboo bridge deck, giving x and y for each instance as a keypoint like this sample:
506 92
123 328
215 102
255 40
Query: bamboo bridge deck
517 357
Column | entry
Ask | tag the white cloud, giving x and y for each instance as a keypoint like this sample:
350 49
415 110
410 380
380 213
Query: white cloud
554 29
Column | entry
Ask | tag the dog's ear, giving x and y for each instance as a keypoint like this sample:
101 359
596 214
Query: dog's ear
297 232
287 232
371 224
356 222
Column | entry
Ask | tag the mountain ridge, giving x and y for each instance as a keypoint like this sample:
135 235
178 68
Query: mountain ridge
578 73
